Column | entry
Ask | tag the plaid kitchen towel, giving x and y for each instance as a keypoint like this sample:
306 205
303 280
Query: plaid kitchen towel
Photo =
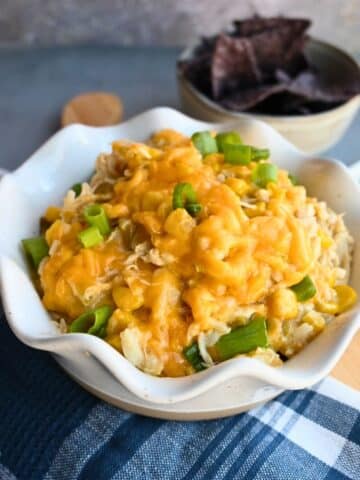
52 429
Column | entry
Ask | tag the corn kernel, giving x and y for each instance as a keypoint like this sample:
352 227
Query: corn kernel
347 297
214 160
261 206
283 304
150 221
332 278
125 299
327 307
238 185
326 241
165 208
115 341
254 212
169 138
275 332
151 200
54 232
118 321
115 211
316 320
52 214
179 223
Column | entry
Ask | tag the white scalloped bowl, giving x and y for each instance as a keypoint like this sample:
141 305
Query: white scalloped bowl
68 157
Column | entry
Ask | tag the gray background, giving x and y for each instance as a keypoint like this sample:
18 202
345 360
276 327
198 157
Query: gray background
36 83
161 22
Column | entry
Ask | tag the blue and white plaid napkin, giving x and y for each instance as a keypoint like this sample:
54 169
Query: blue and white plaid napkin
52 429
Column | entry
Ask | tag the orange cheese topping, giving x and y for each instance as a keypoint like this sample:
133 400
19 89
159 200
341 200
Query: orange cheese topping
189 275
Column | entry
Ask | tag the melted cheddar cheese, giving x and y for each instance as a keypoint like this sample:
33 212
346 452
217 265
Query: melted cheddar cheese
171 277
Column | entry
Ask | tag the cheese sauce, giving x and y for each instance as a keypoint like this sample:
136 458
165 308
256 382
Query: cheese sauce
171 277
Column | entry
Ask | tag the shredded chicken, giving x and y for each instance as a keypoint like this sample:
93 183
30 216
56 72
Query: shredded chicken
177 272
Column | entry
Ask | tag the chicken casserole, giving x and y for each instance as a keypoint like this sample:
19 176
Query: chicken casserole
185 252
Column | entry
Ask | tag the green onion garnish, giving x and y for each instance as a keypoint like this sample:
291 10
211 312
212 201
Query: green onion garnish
205 143
227 137
193 208
96 217
293 179
192 355
237 154
264 173
184 196
90 237
242 339
93 322
77 189
36 248
259 154
305 289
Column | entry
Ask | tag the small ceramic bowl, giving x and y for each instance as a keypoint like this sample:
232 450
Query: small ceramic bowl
67 158
311 133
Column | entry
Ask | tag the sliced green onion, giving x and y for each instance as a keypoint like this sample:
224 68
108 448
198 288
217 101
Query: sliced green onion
184 196
264 173
192 355
305 289
205 143
242 339
259 154
93 322
183 193
227 137
237 154
96 217
193 208
36 248
90 237
293 179
77 187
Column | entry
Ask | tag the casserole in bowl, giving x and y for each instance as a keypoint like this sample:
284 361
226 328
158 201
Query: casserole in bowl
72 154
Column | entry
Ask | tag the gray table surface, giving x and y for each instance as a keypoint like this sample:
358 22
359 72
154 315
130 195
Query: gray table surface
35 84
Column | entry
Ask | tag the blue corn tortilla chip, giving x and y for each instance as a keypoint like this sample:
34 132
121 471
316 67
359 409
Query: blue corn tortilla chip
260 66
233 66
281 47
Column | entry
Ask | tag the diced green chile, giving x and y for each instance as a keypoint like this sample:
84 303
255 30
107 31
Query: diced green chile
184 196
93 322
36 248
205 143
305 289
